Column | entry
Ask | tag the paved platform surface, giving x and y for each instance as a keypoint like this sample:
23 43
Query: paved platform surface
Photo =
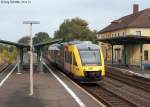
48 92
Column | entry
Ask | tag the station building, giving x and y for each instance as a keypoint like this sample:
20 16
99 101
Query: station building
127 39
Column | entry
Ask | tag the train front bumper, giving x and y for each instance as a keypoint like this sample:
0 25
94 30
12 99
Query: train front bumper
90 76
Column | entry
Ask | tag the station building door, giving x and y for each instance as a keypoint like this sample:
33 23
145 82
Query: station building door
118 55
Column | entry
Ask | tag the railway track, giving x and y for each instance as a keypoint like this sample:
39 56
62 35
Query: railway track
3 67
131 80
106 96
103 94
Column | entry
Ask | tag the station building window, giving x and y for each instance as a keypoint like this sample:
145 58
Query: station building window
138 33
146 55
123 34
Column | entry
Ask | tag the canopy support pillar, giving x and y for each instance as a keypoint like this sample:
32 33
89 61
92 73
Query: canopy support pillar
39 59
141 56
125 55
112 55
20 59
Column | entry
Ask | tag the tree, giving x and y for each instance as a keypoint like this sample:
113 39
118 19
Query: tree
41 37
75 29
24 40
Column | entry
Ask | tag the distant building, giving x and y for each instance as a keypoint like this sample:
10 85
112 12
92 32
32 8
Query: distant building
136 24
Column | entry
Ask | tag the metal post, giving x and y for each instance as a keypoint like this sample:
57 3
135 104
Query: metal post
31 62
18 59
31 54
112 55
141 56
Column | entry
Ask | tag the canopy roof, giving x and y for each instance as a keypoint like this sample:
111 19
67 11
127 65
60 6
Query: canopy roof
14 44
130 39
47 43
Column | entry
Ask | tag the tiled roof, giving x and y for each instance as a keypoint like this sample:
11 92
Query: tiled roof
140 19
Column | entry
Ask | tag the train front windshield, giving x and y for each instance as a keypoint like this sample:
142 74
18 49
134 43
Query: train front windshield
90 57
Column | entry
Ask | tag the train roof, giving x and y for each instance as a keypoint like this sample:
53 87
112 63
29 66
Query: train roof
87 46
54 47
81 45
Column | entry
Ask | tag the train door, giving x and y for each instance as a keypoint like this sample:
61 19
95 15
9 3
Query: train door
74 64
68 61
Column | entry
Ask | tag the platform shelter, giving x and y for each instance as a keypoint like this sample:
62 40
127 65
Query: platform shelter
39 50
127 40
20 48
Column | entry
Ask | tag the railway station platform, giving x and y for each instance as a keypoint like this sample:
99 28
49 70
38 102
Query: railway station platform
132 70
51 89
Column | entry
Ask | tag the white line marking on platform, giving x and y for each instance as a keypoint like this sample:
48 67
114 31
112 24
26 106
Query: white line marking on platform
19 73
147 75
2 82
77 99
101 104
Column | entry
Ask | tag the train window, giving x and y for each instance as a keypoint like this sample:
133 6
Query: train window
67 56
74 60
90 57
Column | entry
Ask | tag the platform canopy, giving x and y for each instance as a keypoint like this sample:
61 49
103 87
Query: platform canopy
126 40
47 43
20 45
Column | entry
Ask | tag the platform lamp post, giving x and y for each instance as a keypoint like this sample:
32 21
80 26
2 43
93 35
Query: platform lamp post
31 53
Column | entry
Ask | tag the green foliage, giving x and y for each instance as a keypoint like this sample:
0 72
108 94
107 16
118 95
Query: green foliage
8 54
75 29
24 40
41 37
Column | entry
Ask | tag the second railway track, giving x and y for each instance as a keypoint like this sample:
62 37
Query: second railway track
131 80
5 68
114 93
109 98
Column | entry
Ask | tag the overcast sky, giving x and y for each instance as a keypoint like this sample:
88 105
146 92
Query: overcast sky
51 13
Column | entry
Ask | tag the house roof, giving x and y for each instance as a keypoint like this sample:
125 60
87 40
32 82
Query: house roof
140 19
